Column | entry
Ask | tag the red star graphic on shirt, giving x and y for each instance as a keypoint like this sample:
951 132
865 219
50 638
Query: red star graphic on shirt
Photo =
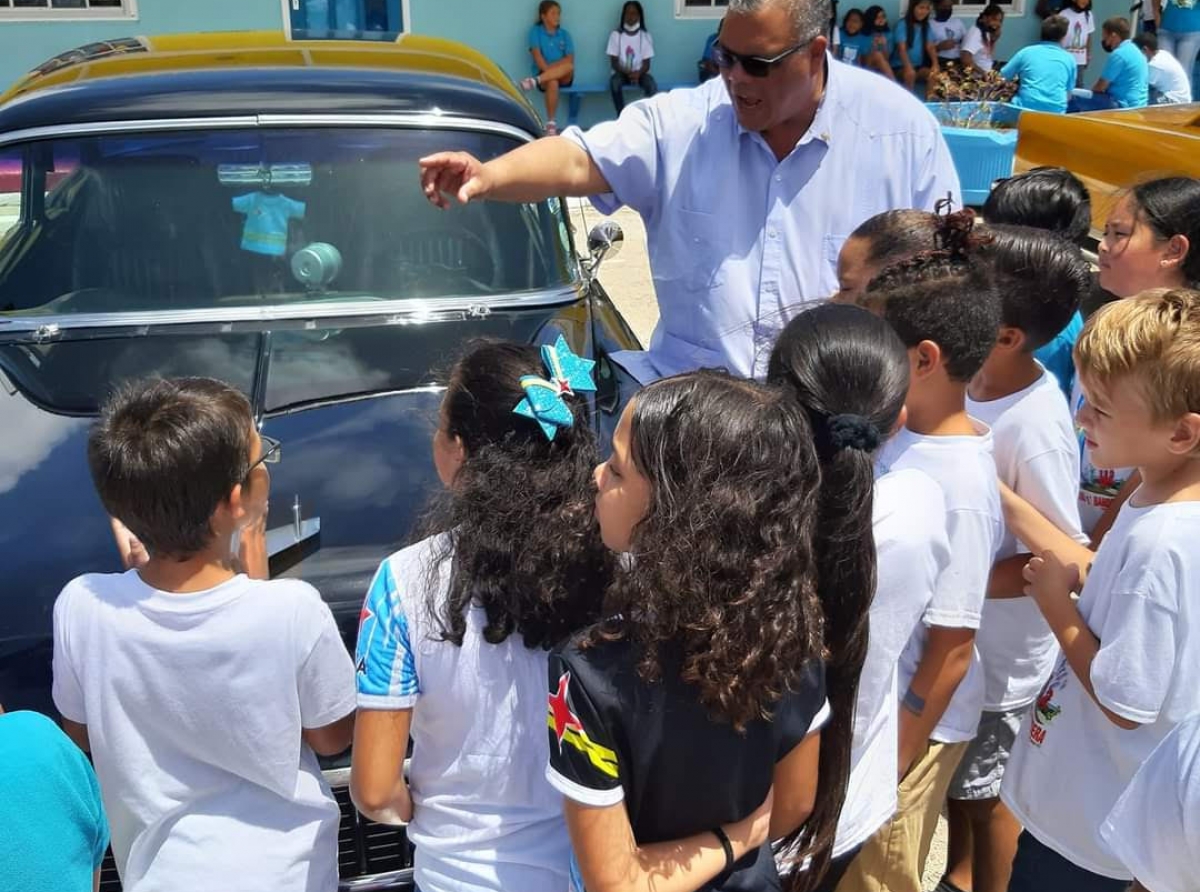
560 711
366 613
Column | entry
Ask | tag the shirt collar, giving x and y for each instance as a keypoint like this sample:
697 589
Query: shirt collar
824 120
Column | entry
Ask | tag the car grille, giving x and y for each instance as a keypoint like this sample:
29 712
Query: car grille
364 847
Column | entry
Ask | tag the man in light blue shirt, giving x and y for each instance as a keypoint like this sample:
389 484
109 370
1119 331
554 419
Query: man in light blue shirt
1125 81
1046 71
748 184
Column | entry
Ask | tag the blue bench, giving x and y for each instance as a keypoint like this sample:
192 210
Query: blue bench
576 92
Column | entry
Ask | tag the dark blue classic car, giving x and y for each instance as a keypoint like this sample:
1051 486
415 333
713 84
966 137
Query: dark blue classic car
249 208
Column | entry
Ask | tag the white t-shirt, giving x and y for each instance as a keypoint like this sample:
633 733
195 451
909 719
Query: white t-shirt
965 470
1070 763
1080 26
1097 486
974 44
1038 458
631 50
484 816
950 29
910 541
1169 80
195 705
1155 826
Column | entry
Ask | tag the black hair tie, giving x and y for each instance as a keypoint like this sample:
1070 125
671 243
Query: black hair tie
853 432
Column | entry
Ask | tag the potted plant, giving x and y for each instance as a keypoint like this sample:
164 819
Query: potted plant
979 125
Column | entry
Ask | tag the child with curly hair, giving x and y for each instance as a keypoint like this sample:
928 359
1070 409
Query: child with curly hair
684 727
453 640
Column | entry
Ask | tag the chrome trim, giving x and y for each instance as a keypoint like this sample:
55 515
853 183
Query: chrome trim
337 777
393 881
405 120
353 398
400 311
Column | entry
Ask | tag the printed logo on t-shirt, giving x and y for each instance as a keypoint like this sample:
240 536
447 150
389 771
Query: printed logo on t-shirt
1097 486
366 623
567 728
1047 709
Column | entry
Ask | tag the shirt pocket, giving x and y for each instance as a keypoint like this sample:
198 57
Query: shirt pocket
701 249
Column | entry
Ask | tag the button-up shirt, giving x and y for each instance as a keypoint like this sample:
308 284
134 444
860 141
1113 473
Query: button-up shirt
738 240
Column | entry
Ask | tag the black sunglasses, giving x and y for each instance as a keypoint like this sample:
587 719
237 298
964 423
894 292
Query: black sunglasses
755 66
272 451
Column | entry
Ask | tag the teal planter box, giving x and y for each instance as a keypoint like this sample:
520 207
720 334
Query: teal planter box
981 154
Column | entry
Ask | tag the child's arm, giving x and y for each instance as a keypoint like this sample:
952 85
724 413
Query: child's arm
795 784
377 784
1050 583
538 59
1035 530
78 733
611 860
943 666
331 739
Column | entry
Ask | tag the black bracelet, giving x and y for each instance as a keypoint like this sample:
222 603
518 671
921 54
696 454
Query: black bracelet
723 839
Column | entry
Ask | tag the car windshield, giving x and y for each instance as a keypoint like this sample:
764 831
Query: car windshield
214 219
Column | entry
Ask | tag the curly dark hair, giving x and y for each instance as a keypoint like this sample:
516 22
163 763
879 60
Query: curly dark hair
1040 279
524 543
722 564
849 372
946 296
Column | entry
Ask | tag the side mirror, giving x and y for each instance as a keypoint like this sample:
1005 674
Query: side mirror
605 240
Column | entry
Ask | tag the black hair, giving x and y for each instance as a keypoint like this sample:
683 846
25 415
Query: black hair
849 372
165 453
1171 206
641 14
1118 25
897 235
869 17
1075 5
524 544
544 7
912 26
945 296
1046 198
1147 41
990 10
853 11
722 571
1040 280
1054 29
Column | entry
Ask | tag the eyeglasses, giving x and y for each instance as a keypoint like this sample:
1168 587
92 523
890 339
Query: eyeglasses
272 450
755 66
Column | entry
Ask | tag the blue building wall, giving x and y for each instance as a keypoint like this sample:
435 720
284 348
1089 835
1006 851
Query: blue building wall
498 28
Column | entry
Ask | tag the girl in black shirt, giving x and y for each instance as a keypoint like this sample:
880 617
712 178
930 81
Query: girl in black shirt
684 731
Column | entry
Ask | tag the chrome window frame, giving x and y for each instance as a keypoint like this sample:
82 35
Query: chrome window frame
398 310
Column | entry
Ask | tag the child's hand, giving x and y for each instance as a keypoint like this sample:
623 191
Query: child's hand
1047 577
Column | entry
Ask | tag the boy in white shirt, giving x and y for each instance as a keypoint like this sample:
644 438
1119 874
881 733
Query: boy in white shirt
1130 667
1040 279
202 695
1155 826
944 309
1169 83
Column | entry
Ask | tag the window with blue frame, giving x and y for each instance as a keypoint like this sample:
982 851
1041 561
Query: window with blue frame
348 19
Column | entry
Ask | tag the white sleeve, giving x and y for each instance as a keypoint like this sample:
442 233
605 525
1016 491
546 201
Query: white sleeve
973 41
614 44
648 47
326 676
962 587
1154 829
626 151
1050 483
66 688
1138 623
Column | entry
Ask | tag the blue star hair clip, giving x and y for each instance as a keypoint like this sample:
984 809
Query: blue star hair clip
567 374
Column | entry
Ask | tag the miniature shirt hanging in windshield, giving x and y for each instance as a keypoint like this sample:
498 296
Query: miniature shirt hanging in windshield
267 216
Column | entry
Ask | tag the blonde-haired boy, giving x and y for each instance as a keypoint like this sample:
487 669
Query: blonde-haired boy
1130 668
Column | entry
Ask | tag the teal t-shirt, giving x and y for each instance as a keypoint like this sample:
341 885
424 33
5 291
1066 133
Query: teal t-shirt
553 47
1057 355
916 53
1128 76
1047 74
267 217
854 48
55 833
1180 17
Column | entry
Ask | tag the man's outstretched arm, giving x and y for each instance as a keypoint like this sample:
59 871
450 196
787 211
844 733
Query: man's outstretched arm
536 171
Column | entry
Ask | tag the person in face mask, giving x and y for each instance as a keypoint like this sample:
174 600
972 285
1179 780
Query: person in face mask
947 32
979 45
1125 81
630 49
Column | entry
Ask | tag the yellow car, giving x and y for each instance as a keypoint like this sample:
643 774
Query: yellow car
1113 150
